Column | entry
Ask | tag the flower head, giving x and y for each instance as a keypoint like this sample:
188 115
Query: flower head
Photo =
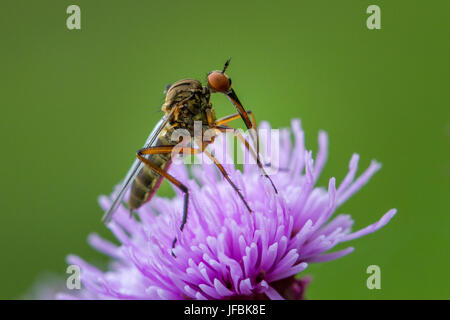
225 252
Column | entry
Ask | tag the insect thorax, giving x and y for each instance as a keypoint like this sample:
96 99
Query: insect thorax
196 104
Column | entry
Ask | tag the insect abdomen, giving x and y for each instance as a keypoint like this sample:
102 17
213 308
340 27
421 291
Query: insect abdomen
148 181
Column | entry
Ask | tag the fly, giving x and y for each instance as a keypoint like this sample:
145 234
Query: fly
186 101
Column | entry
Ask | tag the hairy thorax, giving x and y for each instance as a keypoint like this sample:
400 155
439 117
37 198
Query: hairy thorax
196 105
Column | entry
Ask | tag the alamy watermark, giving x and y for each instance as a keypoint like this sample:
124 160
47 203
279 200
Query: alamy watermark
373 22
73 21
374 280
73 281
238 147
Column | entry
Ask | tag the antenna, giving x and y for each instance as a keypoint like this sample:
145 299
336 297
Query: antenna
226 65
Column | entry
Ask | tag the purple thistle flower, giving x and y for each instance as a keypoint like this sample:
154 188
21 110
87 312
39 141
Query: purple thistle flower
224 251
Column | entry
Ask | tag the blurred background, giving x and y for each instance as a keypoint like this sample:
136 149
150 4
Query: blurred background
77 104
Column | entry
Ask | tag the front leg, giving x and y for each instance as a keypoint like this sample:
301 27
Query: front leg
225 128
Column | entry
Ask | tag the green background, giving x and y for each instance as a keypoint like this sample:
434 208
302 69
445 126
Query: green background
76 105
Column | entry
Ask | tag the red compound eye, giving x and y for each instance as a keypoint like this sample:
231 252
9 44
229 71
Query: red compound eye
219 81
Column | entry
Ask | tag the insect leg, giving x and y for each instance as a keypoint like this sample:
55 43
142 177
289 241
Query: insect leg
229 118
224 128
249 148
168 149
235 116
224 173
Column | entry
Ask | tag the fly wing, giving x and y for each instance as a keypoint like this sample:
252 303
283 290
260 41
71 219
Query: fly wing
134 170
